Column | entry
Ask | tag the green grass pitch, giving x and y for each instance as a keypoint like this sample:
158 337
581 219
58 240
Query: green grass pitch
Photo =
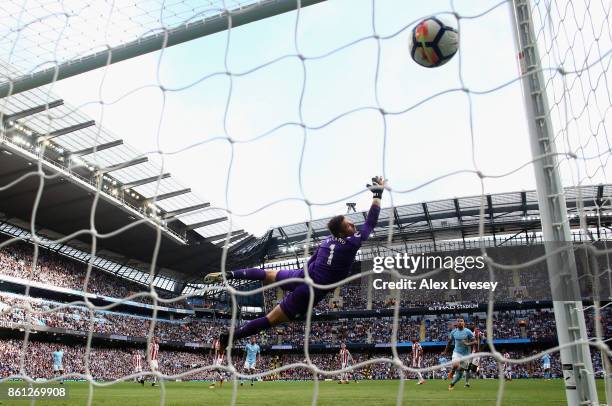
482 392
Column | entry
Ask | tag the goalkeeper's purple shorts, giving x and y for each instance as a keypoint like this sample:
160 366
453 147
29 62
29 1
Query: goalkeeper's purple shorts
295 304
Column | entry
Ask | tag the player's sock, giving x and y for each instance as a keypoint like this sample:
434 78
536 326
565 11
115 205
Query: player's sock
252 327
457 376
251 274
467 377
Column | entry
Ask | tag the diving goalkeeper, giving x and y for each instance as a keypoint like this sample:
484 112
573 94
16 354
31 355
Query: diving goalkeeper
330 263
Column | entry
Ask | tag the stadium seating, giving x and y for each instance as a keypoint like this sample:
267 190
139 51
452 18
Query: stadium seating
55 270
112 363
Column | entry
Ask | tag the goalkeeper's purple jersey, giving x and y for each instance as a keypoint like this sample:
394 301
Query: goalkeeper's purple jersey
333 259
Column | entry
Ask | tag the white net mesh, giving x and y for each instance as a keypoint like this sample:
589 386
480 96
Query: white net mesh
280 120
45 33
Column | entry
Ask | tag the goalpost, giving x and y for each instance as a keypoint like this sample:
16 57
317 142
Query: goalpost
576 362
567 119
224 20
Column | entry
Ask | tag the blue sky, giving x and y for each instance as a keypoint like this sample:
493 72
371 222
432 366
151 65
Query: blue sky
422 144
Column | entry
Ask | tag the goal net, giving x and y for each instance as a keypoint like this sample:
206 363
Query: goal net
277 112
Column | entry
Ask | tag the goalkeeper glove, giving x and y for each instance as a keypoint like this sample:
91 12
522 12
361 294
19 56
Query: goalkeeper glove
377 187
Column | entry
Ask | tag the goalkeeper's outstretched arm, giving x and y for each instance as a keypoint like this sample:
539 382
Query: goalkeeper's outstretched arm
377 188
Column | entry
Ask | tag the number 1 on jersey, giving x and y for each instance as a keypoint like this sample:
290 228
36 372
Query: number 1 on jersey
331 253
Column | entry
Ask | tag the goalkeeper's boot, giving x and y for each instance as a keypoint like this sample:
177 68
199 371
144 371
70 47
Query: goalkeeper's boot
451 387
213 278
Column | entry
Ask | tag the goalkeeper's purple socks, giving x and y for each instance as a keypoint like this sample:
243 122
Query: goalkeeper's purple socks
251 274
252 327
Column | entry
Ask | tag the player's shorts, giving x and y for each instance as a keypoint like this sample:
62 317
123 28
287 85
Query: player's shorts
290 273
417 364
474 364
154 364
295 304
546 366
58 367
249 364
464 363
137 370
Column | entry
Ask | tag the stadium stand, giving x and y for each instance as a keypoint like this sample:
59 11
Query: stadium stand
354 314
533 324
113 363
54 270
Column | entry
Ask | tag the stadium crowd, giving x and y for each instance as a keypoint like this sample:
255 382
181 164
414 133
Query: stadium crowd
57 315
111 363
51 269
537 325
106 364
56 270
354 295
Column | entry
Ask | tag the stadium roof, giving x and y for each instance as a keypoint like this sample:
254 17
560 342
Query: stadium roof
55 40
78 157
505 215
48 41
